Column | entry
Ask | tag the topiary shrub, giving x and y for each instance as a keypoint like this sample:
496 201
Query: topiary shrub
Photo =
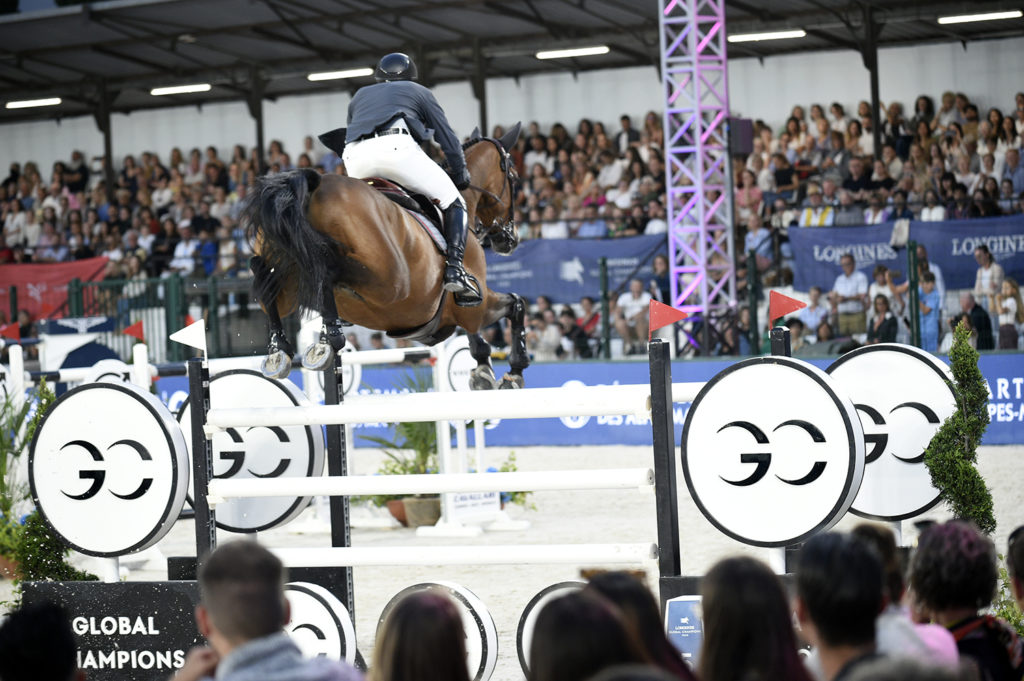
41 555
952 455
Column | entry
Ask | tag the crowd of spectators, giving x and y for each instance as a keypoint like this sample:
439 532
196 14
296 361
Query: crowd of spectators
854 614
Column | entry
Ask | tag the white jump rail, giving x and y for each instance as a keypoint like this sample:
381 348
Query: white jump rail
604 400
477 554
367 485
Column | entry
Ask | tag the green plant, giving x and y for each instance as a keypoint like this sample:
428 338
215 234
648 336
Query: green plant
520 498
42 556
952 454
1005 605
10 536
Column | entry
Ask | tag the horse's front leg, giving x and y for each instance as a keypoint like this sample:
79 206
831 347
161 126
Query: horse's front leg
482 377
332 335
518 358
267 287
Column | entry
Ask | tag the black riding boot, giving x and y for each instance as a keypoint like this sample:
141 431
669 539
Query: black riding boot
456 279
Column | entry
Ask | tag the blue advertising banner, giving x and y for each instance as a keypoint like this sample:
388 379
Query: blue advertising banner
951 244
567 269
1004 373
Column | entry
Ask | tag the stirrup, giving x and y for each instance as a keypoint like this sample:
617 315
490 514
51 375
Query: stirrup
464 286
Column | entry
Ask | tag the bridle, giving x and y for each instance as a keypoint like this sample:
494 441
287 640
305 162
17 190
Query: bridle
509 170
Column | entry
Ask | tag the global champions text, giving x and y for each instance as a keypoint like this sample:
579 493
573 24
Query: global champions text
120 659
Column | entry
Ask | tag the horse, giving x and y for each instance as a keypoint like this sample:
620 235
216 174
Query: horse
335 245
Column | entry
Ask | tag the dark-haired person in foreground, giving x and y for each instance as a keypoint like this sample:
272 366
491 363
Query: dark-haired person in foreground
953 574
1015 564
37 644
242 613
838 597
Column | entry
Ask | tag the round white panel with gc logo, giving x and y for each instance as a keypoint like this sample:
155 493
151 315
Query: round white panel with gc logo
260 451
903 395
108 469
772 452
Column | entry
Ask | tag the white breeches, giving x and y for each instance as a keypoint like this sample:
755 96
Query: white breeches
400 159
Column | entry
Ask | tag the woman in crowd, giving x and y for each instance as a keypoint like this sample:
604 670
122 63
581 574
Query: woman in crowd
576 636
422 638
1008 137
1010 309
854 137
924 111
640 612
748 196
953 575
748 625
882 327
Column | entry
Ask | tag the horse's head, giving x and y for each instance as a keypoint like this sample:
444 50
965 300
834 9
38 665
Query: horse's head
494 175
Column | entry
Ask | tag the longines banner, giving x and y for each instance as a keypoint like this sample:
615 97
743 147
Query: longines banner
816 251
567 269
1004 374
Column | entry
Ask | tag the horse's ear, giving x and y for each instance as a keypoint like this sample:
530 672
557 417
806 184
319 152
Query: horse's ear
475 135
508 140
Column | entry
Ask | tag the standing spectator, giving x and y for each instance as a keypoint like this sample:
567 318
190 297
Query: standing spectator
1010 308
241 614
930 306
923 264
988 280
423 632
748 625
882 327
838 596
631 319
953 575
661 283
849 297
814 313
980 320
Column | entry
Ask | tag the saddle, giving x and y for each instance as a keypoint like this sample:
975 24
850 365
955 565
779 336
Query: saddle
419 206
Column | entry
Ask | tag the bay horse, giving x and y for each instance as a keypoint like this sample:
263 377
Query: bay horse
335 245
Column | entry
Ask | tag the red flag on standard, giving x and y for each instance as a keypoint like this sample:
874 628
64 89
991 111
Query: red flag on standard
779 306
135 330
660 315
11 331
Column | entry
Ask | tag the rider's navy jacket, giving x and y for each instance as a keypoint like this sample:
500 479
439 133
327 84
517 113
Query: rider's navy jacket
375 107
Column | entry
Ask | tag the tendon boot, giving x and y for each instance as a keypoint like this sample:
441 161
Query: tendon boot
464 285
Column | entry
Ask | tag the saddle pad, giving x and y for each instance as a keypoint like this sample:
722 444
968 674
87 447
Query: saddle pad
407 200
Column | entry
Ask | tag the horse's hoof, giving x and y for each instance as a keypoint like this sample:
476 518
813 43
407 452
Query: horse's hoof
276 365
511 381
317 356
482 378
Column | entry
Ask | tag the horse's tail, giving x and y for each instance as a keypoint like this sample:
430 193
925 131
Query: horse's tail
274 215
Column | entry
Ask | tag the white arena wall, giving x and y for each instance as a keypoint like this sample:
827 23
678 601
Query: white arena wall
990 72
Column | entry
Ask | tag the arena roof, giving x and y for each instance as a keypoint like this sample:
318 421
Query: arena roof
127 47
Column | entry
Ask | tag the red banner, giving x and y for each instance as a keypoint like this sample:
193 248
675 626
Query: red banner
43 288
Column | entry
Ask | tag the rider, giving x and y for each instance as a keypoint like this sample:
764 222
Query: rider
386 124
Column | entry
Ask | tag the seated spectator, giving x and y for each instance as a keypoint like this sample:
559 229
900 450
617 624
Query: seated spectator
1010 309
933 211
882 327
661 282
759 241
1007 202
631 318
797 332
859 182
953 574
838 596
575 343
849 297
590 317
544 337
423 632
242 612
551 226
900 210
786 182
814 313
592 227
881 180
640 613
656 215
848 215
946 343
184 260
576 636
1014 170
876 213
37 644
748 625
816 214
893 164
748 196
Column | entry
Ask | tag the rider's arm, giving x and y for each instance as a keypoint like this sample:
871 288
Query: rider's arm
434 117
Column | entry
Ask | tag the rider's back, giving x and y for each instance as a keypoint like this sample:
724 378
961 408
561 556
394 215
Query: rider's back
375 106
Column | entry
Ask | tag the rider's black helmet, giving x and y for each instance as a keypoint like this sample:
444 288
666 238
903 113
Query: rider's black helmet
395 66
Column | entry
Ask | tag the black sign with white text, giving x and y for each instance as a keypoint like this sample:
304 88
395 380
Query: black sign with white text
128 631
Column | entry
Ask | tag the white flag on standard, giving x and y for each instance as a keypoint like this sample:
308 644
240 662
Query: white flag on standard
193 335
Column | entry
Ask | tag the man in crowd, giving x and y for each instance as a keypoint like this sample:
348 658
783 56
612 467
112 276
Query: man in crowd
1014 170
859 181
816 214
980 320
627 136
242 614
849 297
631 318
838 597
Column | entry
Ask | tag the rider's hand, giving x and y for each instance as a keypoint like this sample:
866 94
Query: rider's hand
461 179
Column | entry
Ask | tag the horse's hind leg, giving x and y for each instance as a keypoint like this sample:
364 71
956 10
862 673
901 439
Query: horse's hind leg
482 377
278 362
332 335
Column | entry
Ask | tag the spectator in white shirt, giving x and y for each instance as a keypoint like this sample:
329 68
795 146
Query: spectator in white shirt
932 211
551 227
631 316
184 261
814 314
849 297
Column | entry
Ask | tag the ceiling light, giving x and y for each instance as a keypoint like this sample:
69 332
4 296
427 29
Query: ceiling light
576 52
335 75
180 89
774 35
30 103
988 16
